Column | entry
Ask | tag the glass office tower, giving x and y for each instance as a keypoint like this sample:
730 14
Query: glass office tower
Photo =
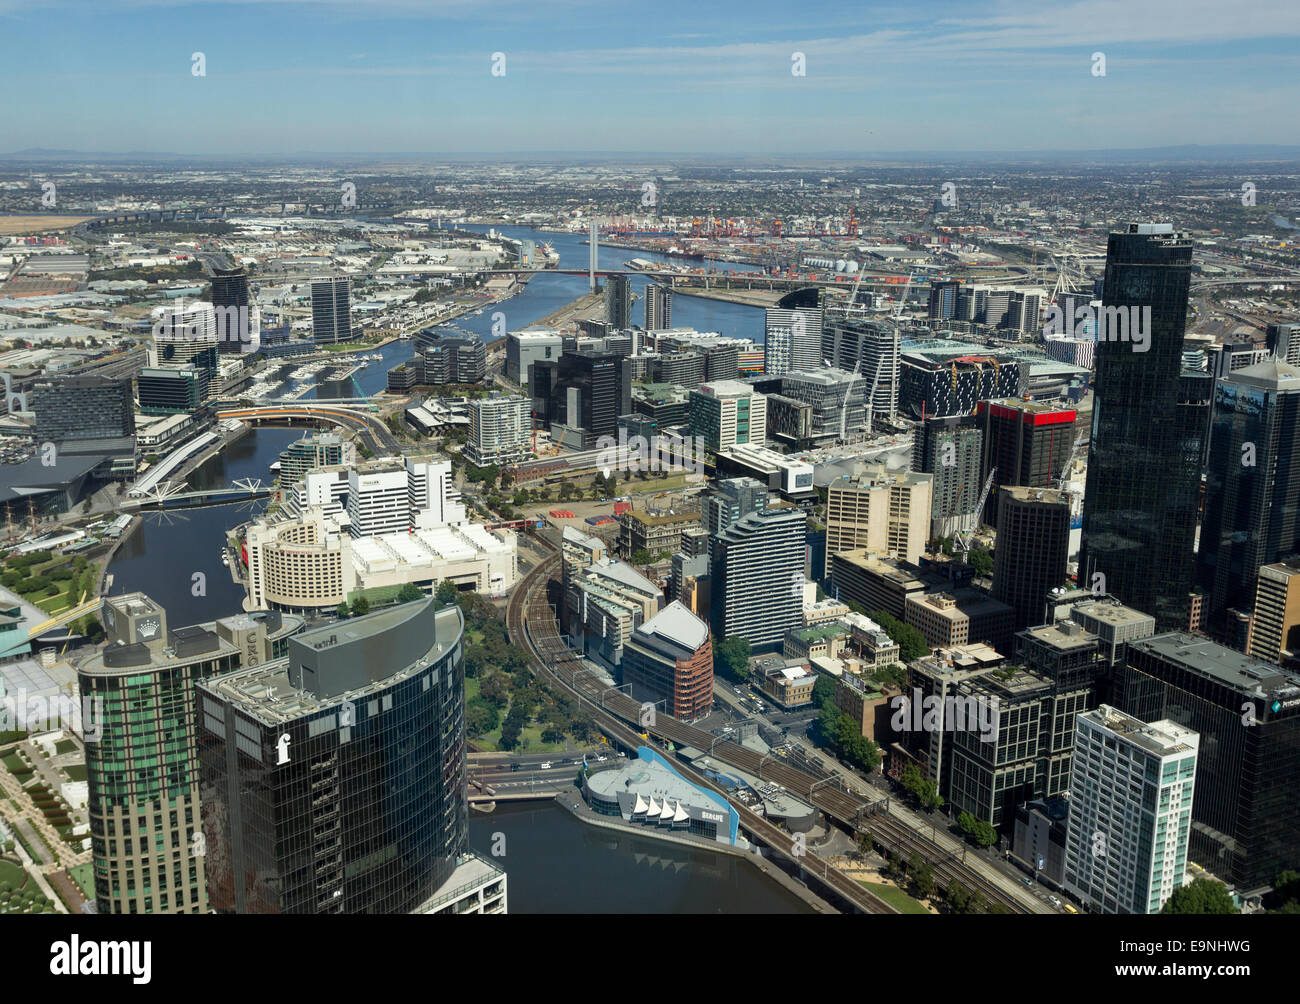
333 781
1148 430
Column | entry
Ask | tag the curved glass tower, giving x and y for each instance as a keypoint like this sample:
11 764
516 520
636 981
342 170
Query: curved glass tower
333 780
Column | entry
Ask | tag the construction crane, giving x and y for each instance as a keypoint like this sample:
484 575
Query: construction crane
964 537
1059 482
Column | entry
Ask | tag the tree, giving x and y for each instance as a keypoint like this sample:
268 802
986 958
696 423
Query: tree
731 656
1202 896
409 593
509 734
911 643
343 610
922 877
480 717
493 690
447 592
552 734
360 606
924 789
957 896
981 561
641 557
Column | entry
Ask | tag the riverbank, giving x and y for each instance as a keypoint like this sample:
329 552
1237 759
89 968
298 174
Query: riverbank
762 298
586 307
573 804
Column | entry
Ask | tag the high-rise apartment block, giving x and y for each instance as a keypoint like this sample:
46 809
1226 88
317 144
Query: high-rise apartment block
757 566
142 773
499 429
728 413
1130 811
658 306
331 309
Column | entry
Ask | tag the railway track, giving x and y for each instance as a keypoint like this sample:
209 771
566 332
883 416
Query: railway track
525 604
531 619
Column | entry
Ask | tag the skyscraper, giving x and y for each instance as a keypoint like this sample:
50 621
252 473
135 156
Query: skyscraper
618 301
871 350
1283 341
331 309
757 569
1246 818
792 340
334 779
658 306
498 430
1148 430
580 395
1030 555
952 450
142 773
1025 443
1130 811
1275 625
1252 489
230 303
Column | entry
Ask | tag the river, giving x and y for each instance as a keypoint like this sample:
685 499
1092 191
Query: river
557 864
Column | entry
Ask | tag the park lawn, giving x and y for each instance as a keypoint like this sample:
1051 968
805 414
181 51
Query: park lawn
75 772
64 746
14 875
12 762
55 604
895 897
84 876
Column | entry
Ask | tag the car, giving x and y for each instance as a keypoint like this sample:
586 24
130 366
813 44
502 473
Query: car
1053 900
602 758
622 754
547 765
1027 881
1070 909
514 766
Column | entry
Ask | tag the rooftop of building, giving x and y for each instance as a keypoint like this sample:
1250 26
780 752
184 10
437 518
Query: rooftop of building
961 658
650 777
1063 635
1224 665
266 691
1111 611
868 476
819 632
1162 738
660 519
677 623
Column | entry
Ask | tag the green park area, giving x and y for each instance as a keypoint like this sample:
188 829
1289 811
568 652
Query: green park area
895 897
53 583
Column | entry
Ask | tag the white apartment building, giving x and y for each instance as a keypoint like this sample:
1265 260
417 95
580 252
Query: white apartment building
499 428
1131 789
727 413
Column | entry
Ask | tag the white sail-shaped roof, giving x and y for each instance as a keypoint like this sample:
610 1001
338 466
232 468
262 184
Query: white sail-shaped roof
667 814
640 806
682 815
654 807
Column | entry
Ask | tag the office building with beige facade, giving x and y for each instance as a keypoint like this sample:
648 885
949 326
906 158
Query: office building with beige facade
886 511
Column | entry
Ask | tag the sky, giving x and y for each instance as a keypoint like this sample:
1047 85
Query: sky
589 76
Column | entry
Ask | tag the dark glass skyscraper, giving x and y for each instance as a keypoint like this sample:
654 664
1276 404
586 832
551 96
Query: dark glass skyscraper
331 309
1252 490
1148 430
230 304
333 781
